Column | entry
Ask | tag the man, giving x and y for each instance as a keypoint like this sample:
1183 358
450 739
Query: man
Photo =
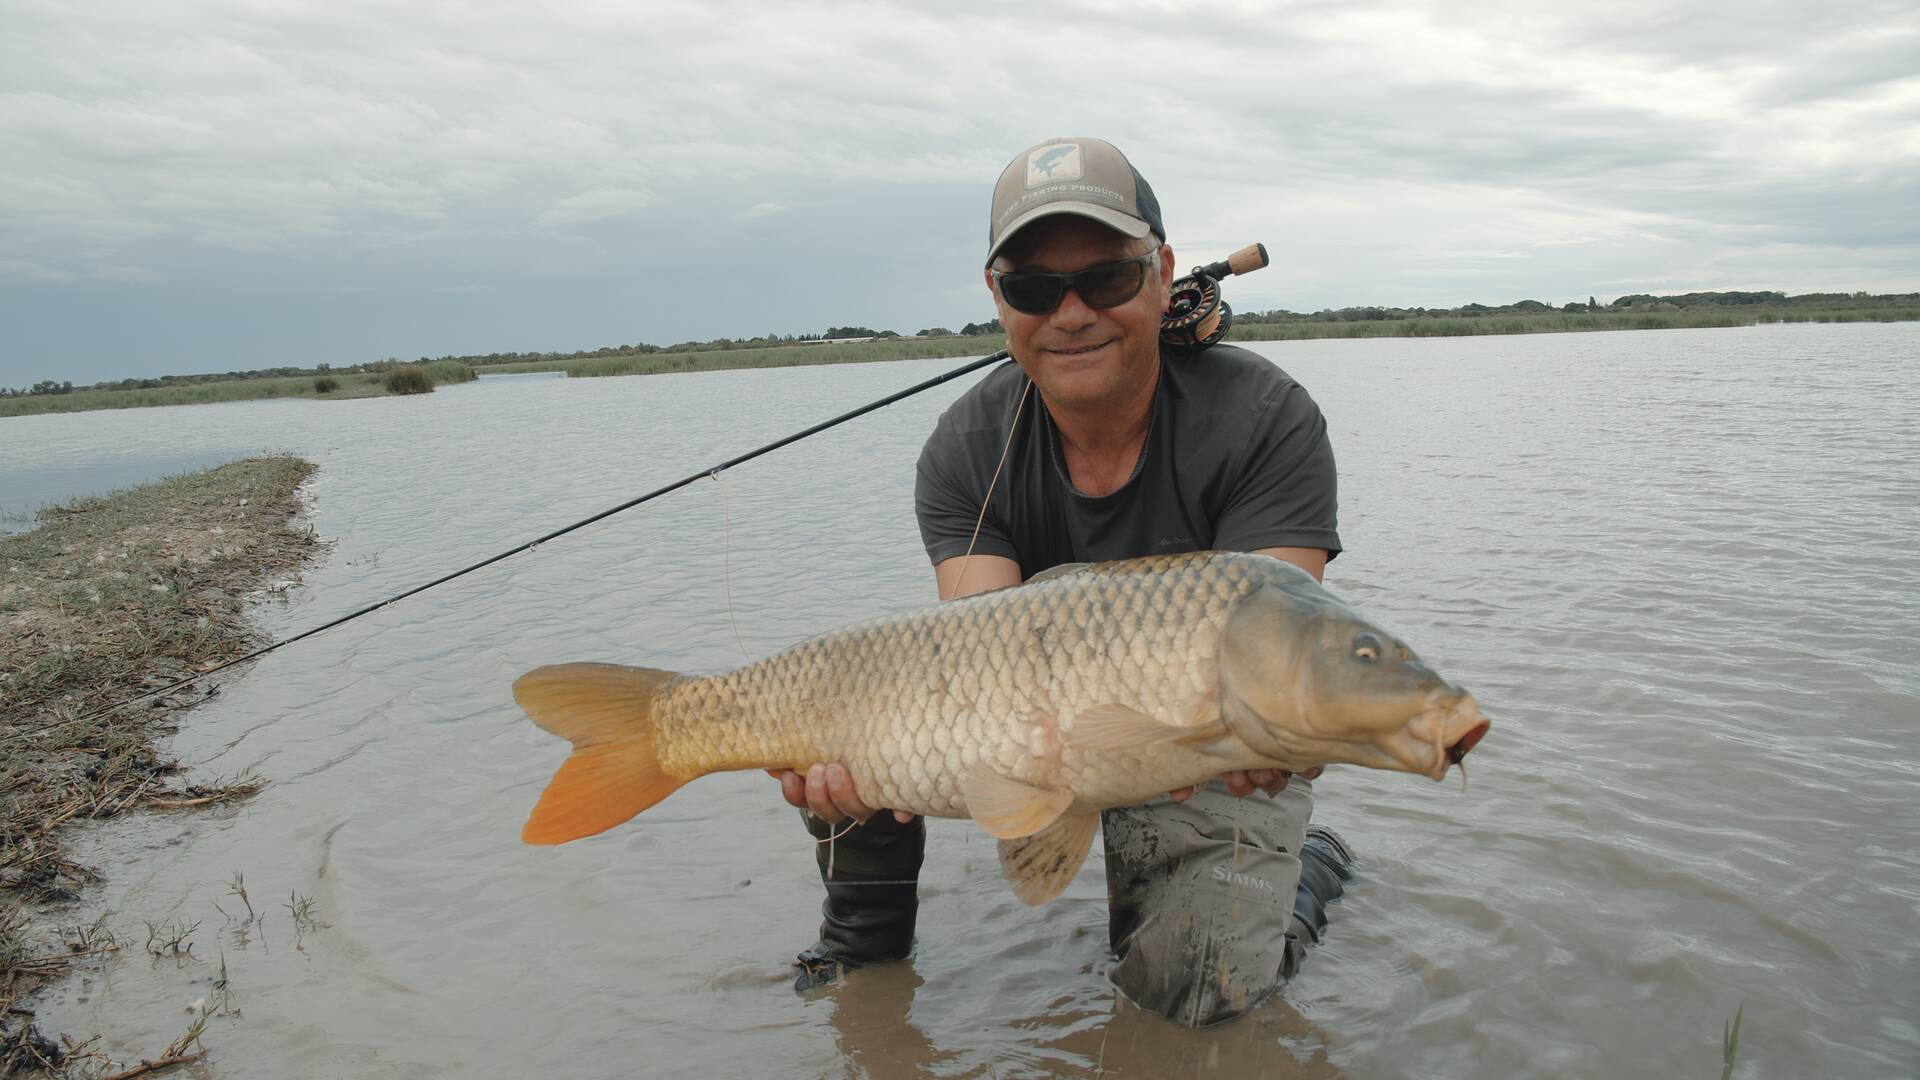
1098 443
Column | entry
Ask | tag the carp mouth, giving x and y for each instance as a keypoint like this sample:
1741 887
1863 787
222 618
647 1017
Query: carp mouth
1442 734
1458 751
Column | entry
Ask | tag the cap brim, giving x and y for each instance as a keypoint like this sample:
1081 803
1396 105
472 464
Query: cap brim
1123 223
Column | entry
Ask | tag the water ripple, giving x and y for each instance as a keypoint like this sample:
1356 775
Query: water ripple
1677 567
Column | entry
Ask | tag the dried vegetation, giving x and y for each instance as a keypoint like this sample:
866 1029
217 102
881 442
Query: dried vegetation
108 598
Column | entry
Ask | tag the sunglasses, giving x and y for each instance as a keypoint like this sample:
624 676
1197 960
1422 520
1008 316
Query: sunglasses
1102 285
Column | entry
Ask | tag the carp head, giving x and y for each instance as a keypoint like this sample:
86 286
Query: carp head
1304 679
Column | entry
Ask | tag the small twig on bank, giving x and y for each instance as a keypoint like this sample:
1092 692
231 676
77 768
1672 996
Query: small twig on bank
147 1067
175 1054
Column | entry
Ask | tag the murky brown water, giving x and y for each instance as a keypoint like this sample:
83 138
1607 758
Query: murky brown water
1680 568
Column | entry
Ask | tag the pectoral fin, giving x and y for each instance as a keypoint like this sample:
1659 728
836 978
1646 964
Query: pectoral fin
1116 727
1039 866
1009 808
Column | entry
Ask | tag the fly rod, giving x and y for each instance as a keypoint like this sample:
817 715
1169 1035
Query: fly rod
1196 319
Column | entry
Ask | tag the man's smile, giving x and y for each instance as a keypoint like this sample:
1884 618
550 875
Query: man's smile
1073 351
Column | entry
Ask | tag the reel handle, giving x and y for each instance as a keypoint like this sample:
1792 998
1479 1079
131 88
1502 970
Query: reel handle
1245 261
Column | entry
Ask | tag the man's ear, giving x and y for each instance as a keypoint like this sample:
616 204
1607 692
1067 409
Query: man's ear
1166 278
1000 309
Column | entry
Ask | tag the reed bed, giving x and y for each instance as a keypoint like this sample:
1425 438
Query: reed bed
444 372
409 379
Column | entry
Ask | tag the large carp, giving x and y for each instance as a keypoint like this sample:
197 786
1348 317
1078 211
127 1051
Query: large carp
1028 709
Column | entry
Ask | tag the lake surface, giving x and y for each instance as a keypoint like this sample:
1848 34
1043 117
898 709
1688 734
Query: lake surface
25 488
1679 568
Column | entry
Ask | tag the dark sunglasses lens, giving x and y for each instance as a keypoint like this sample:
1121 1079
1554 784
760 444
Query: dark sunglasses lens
1032 294
1104 286
1110 285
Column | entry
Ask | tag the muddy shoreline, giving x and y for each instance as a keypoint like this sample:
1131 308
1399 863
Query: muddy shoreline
108 598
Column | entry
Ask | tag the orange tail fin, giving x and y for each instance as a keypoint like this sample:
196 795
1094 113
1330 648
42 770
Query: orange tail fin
606 710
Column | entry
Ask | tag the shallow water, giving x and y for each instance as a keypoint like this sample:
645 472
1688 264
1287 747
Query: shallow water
1678 567
25 491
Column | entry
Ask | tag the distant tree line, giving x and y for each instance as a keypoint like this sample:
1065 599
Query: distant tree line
1637 302
44 386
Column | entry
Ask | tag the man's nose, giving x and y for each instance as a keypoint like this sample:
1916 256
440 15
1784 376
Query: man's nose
1073 312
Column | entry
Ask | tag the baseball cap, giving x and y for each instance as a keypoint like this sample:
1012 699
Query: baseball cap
1088 177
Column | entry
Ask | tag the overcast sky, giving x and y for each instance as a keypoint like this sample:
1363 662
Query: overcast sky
203 186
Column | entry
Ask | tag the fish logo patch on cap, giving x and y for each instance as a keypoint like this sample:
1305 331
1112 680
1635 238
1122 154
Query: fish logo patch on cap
1054 163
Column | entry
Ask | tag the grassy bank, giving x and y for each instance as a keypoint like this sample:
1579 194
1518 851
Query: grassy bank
105 598
356 385
855 352
1558 322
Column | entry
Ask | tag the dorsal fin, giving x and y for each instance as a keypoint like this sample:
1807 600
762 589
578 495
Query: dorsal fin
1052 572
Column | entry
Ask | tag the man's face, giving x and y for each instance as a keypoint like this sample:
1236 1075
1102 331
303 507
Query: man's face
1078 356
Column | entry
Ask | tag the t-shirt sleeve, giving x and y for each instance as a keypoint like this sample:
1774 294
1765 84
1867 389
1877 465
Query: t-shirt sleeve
947 492
1285 494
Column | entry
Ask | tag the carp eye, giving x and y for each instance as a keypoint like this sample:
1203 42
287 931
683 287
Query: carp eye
1366 647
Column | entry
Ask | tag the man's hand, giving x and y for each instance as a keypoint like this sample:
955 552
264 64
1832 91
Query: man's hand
827 791
1244 782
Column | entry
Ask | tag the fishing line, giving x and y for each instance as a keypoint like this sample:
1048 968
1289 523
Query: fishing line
726 563
713 472
831 837
967 559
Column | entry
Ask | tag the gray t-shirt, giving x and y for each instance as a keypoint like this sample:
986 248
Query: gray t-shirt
1236 459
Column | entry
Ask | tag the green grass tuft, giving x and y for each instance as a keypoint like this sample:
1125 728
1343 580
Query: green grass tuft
1730 1043
409 379
449 371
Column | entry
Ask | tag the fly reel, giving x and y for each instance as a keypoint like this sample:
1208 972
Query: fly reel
1196 316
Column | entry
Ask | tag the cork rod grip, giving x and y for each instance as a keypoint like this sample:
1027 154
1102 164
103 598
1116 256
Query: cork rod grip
1247 259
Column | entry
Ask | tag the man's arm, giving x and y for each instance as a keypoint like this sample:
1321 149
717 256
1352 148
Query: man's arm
969 574
1312 560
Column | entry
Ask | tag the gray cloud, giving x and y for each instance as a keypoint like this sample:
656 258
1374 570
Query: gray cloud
212 184
761 210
